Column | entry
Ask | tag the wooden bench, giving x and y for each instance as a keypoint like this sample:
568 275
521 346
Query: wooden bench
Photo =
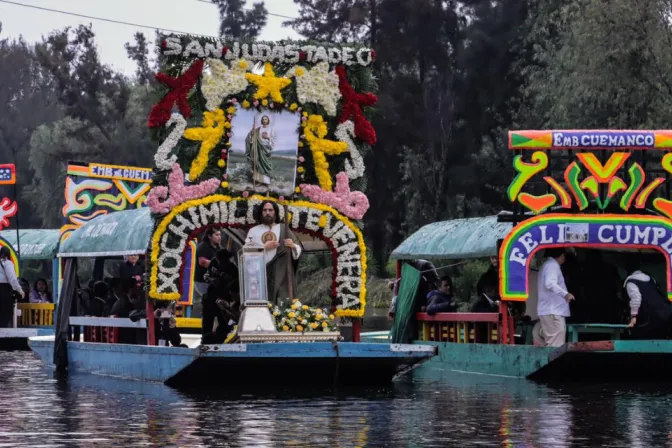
462 328
613 330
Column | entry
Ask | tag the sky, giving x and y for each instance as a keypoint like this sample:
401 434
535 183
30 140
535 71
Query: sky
189 16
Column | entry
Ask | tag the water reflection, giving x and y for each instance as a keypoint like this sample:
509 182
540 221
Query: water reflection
432 408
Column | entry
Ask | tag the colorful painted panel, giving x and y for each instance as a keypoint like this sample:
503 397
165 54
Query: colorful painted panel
590 139
557 230
95 189
8 203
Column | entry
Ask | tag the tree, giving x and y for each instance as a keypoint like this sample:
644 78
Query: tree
238 23
139 53
104 120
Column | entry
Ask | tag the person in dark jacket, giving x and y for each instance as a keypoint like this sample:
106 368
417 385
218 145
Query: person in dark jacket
441 300
487 302
651 311
222 299
489 277
98 306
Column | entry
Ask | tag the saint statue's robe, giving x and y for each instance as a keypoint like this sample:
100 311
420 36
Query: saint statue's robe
277 259
258 149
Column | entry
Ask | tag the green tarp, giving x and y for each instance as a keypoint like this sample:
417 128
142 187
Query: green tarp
403 330
455 239
36 244
114 234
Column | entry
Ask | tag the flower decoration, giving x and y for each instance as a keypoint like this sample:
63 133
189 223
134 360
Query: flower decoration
352 108
8 209
352 204
179 88
224 81
314 132
354 167
300 318
268 84
162 199
209 134
317 85
161 159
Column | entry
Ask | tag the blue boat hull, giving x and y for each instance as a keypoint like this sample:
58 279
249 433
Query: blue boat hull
288 364
16 339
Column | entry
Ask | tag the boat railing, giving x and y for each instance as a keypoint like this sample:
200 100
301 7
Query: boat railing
483 328
35 314
105 329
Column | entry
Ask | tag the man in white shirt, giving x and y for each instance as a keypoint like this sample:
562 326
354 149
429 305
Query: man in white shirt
553 304
278 245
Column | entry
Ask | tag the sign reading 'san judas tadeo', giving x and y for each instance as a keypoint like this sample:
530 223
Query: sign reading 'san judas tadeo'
562 230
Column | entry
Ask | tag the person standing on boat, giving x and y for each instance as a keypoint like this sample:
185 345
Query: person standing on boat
205 253
650 310
553 305
281 248
489 277
8 285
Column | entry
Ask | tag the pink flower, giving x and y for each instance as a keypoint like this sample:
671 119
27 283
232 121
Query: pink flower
228 134
256 103
246 193
271 105
301 159
162 199
226 176
281 198
298 110
223 152
352 204
304 119
234 101
229 117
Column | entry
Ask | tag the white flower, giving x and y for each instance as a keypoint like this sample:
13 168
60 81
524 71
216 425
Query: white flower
161 159
223 81
317 85
354 167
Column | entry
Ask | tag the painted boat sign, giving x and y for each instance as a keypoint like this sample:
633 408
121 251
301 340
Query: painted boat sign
589 139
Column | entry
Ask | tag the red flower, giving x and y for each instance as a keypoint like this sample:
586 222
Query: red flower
303 55
224 51
373 55
352 108
164 44
179 88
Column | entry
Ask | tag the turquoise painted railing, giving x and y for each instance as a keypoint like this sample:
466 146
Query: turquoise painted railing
482 328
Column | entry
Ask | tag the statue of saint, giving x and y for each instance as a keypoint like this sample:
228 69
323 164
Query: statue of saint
281 251
259 145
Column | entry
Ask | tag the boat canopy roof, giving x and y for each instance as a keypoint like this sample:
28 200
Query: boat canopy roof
36 244
128 233
454 239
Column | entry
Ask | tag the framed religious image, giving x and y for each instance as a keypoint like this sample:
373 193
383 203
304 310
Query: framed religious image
253 275
263 152
576 233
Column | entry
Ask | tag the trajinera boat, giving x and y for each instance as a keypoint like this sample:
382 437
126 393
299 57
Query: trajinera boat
605 195
242 125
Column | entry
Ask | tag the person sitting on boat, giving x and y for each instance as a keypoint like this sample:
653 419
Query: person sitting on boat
278 243
650 310
121 288
441 300
131 267
98 305
489 277
553 304
40 292
487 302
25 287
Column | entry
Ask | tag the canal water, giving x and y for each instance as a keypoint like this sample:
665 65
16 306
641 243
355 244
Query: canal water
429 407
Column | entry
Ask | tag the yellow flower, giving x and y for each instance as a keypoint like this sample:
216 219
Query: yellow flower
295 300
225 184
291 315
325 324
270 306
231 110
331 316
314 325
242 64
293 106
318 317
300 144
245 104
209 134
268 84
275 313
289 216
264 102
300 71
304 307
299 328
285 328
322 221
315 131
297 190
228 143
221 163
305 114
294 307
